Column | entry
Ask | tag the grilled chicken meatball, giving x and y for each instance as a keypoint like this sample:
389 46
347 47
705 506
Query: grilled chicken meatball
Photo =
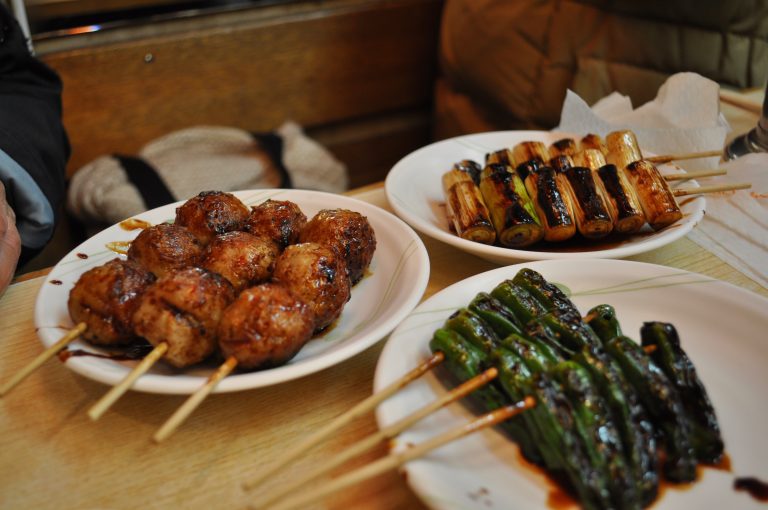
346 231
241 258
265 326
211 213
164 248
279 220
316 274
105 298
183 309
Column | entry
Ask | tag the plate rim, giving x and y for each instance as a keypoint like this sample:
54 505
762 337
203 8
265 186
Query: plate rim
502 255
417 260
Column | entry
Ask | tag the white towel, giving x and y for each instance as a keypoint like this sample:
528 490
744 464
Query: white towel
199 159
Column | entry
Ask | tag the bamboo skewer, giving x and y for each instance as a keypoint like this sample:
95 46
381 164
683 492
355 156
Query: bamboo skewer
397 459
194 400
679 157
694 175
358 410
386 433
710 189
42 358
109 398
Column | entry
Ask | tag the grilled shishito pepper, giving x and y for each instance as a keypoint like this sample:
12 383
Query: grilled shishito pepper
670 356
495 314
518 301
549 295
599 432
464 204
512 212
603 321
662 402
638 434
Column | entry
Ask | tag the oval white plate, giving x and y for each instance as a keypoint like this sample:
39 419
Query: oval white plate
723 329
414 189
396 281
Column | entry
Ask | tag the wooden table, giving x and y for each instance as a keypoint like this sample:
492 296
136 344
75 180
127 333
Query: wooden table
53 456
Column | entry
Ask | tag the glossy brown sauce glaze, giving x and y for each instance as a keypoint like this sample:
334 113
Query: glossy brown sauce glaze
551 199
134 224
756 488
610 177
56 282
583 185
82 256
134 352
120 247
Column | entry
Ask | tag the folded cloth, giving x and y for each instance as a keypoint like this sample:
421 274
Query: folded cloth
684 117
183 163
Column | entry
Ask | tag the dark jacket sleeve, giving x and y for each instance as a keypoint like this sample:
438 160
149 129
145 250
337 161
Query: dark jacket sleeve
31 132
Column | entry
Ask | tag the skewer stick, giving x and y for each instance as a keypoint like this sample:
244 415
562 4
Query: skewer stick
687 155
397 459
109 398
386 433
194 400
42 358
358 410
694 175
710 189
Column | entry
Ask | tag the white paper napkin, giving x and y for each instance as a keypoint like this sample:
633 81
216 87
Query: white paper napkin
685 117
735 224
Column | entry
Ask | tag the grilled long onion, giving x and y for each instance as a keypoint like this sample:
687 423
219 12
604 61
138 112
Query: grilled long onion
512 212
465 207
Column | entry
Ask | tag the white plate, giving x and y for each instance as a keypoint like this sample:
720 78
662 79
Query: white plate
396 281
414 189
723 329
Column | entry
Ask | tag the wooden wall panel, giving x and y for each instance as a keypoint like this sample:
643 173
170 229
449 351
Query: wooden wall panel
333 63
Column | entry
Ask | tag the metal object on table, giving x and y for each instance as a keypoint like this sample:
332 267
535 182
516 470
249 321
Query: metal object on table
756 140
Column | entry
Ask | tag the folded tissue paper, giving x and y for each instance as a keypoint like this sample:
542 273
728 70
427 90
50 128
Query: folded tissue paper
684 117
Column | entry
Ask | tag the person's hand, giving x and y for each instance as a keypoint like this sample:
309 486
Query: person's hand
10 242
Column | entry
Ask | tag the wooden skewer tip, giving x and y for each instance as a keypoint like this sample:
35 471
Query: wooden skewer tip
194 400
358 410
41 358
109 398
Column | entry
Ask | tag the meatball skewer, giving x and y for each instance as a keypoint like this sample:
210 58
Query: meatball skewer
266 325
100 304
178 315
